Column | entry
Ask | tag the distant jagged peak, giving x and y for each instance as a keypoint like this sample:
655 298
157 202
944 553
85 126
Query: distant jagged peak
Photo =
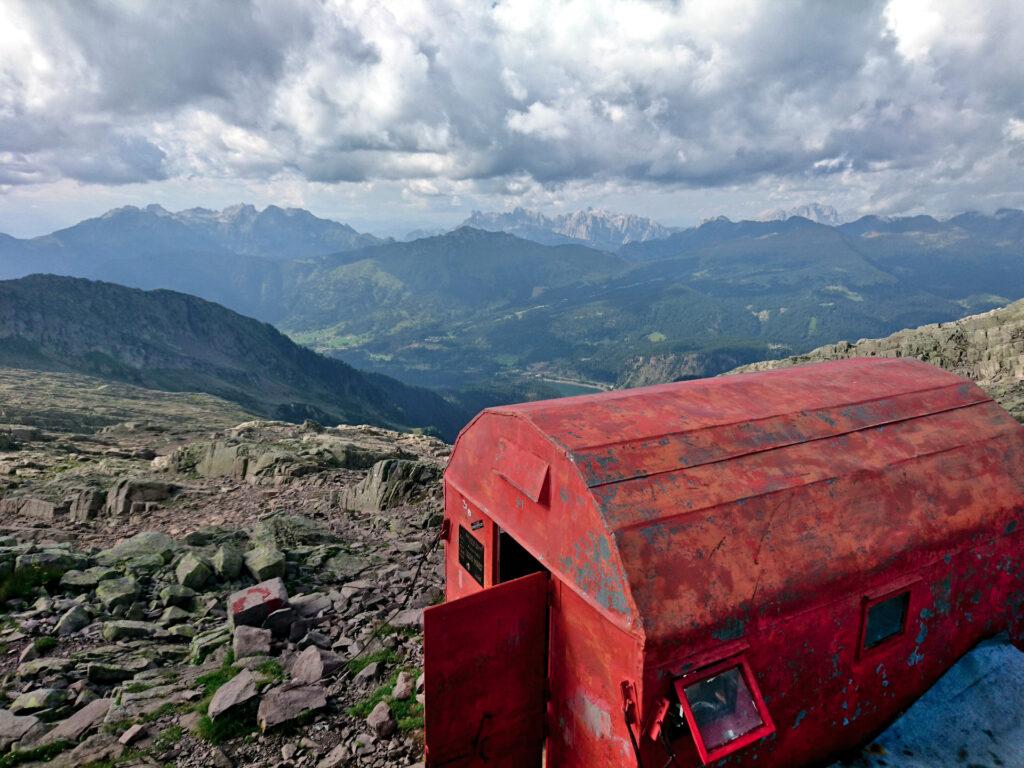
820 213
597 227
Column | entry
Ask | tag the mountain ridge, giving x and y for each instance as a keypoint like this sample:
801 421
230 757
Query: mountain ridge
175 342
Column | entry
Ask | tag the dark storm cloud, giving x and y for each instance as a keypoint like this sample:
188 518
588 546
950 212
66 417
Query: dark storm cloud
701 94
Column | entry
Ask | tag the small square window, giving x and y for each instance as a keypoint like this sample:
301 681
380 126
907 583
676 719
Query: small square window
885 619
724 709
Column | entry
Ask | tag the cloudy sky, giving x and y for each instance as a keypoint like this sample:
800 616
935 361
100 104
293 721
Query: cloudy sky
400 114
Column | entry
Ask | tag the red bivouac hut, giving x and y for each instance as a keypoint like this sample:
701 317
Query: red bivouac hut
761 569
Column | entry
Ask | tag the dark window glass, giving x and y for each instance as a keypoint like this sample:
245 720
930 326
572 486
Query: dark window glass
723 708
886 619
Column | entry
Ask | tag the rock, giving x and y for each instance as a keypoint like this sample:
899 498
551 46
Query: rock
370 672
74 619
381 721
84 581
228 562
250 641
133 734
281 704
125 492
86 504
97 749
252 606
313 664
219 760
193 571
107 674
173 615
409 618
308 606
288 532
265 563
238 690
83 721
145 543
404 686
176 594
336 758
42 667
205 643
391 483
52 561
40 509
117 592
39 699
282 623
124 629
14 728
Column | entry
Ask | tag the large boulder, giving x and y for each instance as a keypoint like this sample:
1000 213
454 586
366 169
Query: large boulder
126 491
84 720
252 606
193 570
145 543
265 563
391 483
285 703
87 503
238 690
114 592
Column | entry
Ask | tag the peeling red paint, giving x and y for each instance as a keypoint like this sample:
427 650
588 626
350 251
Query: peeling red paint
750 517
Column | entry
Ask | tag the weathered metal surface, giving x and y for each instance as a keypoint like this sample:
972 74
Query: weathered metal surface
484 658
751 517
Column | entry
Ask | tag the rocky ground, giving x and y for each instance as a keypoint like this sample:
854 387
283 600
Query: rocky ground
251 596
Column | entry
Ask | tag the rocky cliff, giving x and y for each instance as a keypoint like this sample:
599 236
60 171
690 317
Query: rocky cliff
988 348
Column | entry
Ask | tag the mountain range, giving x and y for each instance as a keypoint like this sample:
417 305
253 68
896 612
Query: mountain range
599 229
178 343
492 312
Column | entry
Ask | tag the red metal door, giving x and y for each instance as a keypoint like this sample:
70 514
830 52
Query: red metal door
485 666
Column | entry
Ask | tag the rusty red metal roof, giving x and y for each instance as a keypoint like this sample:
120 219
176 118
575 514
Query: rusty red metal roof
730 499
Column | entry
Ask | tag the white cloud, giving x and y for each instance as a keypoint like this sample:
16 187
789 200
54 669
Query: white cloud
543 100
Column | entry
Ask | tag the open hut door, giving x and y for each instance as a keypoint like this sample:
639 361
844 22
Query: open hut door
485 662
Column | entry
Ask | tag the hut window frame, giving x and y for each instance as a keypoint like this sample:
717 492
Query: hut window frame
709 754
904 593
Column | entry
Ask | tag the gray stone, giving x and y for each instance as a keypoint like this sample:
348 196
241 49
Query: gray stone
117 592
145 543
173 615
133 734
404 686
381 721
284 703
42 667
74 619
126 492
86 504
265 563
228 562
368 673
409 618
314 664
250 641
14 728
207 642
252 606
84 581
55 561
39 699
193 571
176 594
238 690
336 758
391 483
107 674
83 721
125 629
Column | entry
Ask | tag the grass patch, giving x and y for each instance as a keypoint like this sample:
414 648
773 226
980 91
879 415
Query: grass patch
233 724
212 681
386 630
168 737
44 644
38 754
162 711
387 656
408 713
137 687
271 671
24 582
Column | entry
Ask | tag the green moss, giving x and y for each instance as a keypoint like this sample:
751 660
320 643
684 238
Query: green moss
38 754
24 582
386 656
137 687
408 713
44 644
